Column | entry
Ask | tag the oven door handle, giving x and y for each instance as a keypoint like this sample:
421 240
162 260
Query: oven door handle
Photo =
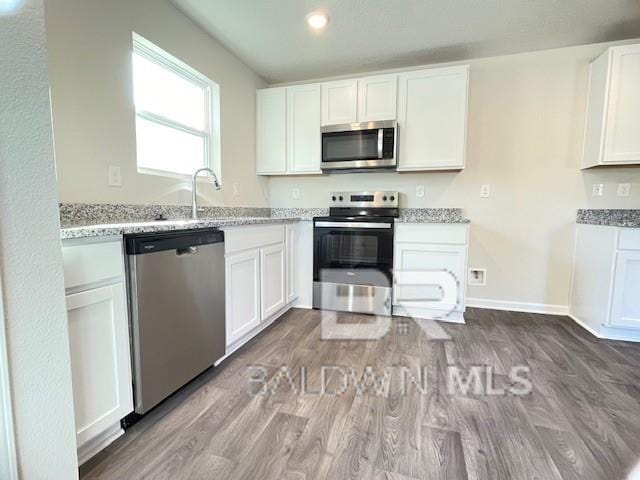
380 225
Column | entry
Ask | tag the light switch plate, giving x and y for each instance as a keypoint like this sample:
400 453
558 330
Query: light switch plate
485 191
624 189
597 190
295 193
420 191
115 176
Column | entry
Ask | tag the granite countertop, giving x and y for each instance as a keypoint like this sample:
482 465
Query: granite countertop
609 217
108 229
431 215
98 220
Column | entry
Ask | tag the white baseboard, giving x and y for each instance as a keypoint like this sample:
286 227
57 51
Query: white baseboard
585 326
518 306
96 445
610 333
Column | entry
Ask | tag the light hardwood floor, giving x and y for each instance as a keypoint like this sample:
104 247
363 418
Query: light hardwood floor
581 421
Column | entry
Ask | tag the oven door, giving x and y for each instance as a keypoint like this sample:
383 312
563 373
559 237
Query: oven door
352 266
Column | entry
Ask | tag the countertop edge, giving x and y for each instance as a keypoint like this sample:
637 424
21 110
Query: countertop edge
615 224
105 230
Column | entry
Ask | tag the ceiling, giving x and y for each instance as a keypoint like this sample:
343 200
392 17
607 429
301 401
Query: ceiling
272 37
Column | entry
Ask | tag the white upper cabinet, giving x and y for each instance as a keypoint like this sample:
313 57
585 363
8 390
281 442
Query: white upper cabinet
303 129
271 131
613 109
432 118
339 102
377 98
430 106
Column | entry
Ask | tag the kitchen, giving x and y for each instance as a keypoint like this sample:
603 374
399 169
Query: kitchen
489 184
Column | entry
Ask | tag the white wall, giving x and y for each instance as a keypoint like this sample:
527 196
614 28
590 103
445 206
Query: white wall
89 43
30 255
8 463
526 119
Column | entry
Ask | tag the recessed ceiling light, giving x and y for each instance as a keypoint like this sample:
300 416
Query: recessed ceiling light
317 20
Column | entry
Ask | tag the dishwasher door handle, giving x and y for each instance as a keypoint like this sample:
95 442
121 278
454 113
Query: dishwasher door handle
182 252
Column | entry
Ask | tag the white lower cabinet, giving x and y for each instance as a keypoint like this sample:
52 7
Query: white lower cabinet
430 262
272 279
98 342
242 293
291 244
606 281
260 261
625 309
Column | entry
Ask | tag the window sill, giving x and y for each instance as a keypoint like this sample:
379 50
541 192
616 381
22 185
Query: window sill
177 176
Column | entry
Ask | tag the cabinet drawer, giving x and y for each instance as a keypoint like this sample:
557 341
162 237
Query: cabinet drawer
92 263
237 239
629 239
439 233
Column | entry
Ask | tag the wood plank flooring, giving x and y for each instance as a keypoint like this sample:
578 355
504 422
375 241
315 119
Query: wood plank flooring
581 420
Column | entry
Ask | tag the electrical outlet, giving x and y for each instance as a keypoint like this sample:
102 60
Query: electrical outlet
624 189
485 191
597 190
477 277
115 176
236 189
295 193
420 191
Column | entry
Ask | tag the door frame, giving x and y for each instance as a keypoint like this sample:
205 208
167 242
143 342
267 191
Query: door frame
7 439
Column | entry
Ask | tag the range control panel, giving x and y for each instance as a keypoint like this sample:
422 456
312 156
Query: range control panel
364 199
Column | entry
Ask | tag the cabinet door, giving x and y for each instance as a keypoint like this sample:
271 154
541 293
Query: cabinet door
377 98
303 129
242 293
339 102
271 131
622 138
100 360
291 246
432 116
625 308
421 291
272 284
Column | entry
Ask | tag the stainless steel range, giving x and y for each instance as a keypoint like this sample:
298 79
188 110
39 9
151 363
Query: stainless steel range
353 253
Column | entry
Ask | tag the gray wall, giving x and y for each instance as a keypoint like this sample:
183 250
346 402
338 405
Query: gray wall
30 255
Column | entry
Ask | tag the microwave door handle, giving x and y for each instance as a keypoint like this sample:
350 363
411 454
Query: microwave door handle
380 142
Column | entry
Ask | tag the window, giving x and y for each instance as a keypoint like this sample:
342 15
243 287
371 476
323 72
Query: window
177 114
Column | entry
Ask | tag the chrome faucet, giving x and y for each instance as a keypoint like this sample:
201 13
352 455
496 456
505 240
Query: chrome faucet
194 190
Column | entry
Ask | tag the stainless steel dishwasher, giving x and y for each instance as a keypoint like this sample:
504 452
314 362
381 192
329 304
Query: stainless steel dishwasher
177 312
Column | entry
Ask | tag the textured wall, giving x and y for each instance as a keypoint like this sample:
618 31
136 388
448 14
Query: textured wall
89 43
526 119
30 255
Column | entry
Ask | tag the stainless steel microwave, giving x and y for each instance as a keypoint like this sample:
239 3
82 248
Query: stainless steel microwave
359 146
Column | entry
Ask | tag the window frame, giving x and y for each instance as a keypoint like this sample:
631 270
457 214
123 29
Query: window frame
210 134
